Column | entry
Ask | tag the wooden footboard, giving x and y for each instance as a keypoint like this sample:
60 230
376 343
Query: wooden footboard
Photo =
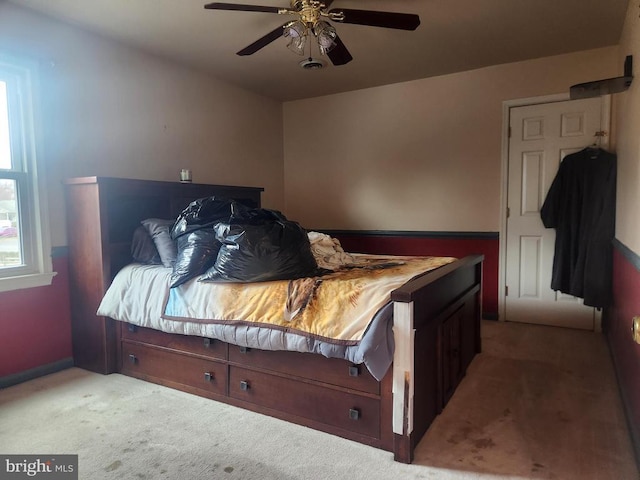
437 334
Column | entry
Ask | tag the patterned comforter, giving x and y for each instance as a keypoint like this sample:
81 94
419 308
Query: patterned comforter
344 314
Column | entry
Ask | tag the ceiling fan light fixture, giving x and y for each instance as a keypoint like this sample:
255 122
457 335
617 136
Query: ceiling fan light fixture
325 35
312 17
296 32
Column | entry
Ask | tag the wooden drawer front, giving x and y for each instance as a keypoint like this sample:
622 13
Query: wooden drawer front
141 361
198 345
308 365
348 411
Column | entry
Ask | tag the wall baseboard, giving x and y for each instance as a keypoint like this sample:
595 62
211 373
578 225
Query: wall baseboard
33 373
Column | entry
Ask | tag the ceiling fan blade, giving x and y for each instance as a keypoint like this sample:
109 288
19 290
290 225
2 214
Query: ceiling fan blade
263 41
401 21
339 55
242 8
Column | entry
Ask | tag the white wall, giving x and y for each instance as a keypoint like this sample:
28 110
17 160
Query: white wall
420 155
628 137
111 110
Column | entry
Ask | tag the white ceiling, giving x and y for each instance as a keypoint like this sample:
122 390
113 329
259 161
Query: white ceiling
454 35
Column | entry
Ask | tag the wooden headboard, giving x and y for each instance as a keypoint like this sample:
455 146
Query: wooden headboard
102 213
120 204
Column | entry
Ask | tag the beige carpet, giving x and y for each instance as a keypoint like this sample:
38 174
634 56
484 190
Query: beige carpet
539 403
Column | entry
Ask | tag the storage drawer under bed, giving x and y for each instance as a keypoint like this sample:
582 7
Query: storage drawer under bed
333 392
333 371
196 345
162 366
338 408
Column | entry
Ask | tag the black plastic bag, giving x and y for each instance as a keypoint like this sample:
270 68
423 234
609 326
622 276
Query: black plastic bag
204 212
196 241
197 252
259 245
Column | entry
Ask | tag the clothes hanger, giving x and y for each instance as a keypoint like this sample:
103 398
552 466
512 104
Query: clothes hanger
595 148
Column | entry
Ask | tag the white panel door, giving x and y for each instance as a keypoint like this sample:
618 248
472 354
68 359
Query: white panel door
541 136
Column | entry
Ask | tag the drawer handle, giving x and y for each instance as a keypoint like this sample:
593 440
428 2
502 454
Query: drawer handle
354 414
354 371
132 328
133 359
207 342
209 377
244 385
244 349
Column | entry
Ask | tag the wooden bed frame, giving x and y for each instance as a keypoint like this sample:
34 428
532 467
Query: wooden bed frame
436 331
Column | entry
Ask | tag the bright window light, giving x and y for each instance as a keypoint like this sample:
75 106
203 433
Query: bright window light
25 246
5 144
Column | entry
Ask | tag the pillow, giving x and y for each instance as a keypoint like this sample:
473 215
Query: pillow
143 249
159 231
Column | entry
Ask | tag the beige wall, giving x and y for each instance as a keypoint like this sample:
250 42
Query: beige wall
627 108
421 155
114 111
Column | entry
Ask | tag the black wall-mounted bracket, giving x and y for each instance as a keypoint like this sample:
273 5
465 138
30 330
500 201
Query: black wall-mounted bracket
605 87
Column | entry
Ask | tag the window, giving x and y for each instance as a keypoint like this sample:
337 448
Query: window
25 252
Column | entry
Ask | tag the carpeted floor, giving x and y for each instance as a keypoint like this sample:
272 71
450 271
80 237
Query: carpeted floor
539 403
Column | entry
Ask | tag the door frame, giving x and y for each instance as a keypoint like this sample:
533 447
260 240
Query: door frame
507 105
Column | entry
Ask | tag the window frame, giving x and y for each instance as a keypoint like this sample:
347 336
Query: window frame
28 173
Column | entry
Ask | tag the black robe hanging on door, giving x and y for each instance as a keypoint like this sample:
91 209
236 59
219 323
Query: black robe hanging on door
580 205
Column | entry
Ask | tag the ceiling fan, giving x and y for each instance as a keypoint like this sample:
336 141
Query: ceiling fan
311 20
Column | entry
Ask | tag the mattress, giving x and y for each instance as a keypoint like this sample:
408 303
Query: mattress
140 295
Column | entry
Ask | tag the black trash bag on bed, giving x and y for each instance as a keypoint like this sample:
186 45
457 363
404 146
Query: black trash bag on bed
204 212
194 233
197 252
260 245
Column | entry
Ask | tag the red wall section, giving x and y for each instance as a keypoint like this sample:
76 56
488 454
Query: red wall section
441 245
626 353
35 324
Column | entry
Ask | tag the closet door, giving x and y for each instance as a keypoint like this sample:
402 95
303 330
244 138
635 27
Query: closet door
541 136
